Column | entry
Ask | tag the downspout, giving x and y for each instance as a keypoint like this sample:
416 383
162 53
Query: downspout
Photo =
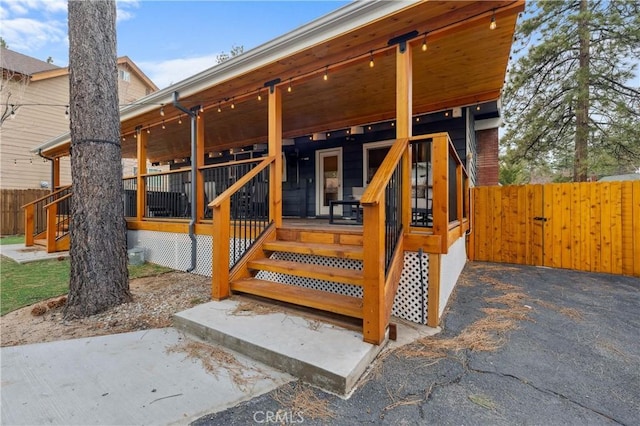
40 154
192 223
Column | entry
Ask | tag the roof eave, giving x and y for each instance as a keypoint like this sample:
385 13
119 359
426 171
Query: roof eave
342 20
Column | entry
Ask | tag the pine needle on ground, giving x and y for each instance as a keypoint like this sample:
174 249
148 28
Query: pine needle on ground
302 400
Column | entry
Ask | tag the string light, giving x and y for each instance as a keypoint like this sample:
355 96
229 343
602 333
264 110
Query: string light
162 111
493 24
163 126
477 107
148 130
233 105
180 119
289 87
13 111
66 111
219 109
326 75
201 108
259 95
424 43
371 63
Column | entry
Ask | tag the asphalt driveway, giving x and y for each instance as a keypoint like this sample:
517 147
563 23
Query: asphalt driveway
564 349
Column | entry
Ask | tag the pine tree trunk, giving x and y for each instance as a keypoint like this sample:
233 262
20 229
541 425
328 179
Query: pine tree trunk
582 104
99 276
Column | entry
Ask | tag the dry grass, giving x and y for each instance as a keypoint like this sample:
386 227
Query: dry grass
215 359
571 313
299 399
486 334
38 310
246 308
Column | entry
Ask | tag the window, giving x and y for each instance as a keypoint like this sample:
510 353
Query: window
124 75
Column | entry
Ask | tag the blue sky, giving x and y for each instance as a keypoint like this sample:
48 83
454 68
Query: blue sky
168 40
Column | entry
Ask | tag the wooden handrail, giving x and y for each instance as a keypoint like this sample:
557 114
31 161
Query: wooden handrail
241 182
168 172
44 197
375 190
56 201
231 163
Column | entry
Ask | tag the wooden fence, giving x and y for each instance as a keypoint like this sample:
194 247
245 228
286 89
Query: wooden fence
12 201
583 226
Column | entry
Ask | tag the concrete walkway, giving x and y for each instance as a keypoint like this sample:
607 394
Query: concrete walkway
122 379
21 254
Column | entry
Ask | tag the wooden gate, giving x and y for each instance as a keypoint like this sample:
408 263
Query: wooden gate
583 226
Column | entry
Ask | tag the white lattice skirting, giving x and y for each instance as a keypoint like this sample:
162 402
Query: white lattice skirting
174 251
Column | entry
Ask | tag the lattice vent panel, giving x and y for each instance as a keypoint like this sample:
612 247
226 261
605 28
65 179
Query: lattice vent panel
173 250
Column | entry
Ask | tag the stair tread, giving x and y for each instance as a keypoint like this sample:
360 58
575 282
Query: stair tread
317 299
320 272
318 249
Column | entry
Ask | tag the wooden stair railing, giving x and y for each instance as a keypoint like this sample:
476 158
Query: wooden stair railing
384 216
35 215
58 222
242 229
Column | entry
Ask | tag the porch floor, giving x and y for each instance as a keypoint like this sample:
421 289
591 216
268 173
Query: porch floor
330 357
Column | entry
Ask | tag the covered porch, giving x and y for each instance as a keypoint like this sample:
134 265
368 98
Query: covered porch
375 101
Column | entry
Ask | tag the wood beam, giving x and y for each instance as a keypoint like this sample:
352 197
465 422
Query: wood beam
55 185
141 198
275 150
404 125
200 122
433 291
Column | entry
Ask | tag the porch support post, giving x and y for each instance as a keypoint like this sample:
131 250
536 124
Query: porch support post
275 149
141 192
55 174
404 124
199 163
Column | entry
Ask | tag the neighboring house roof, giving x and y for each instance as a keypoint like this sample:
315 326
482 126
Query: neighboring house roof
123 60
630 176
23 64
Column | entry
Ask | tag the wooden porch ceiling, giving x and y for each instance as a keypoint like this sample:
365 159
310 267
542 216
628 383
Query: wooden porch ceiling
465 63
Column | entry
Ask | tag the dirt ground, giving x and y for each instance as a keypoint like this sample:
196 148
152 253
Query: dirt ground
155 300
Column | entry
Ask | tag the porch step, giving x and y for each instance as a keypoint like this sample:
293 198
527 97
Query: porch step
40 242
302 296
324 355
318 249
318 272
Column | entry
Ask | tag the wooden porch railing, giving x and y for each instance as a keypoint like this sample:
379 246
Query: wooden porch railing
383 203
240 215
40 213
36 221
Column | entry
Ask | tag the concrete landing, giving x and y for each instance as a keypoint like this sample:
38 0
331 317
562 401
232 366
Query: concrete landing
21 254
122 379
323 355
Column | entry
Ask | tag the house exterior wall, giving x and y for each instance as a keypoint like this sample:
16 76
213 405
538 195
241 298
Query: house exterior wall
42 117
33 124
487 157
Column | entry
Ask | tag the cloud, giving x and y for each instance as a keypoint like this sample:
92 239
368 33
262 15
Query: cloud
26 34
124 10
165 73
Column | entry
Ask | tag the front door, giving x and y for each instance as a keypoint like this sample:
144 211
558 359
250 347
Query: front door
328 180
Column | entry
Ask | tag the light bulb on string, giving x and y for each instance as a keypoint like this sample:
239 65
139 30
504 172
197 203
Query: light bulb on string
289 87
424 43
162 111
493 24
371 63
233 105
326 75
219 109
